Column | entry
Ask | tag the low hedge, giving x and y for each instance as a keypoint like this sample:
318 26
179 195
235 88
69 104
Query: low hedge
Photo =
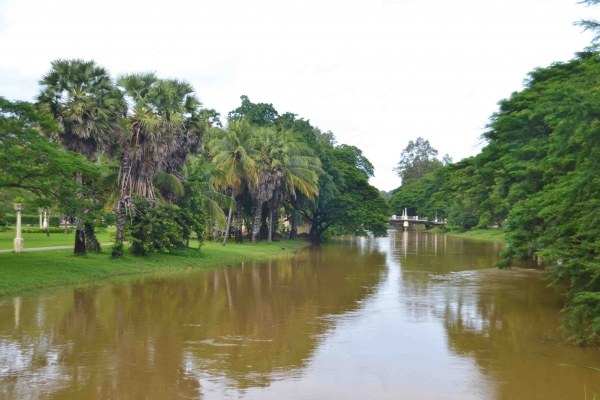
43 230
32 219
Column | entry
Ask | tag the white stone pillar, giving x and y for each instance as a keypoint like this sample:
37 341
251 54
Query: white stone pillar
18 243
41 221
45 219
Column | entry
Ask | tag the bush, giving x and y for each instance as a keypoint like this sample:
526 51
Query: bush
43 230
155 228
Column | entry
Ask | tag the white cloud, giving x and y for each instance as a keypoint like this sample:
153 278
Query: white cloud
375 73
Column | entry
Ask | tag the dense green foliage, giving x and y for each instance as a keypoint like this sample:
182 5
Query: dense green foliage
142 153
31 162
538 177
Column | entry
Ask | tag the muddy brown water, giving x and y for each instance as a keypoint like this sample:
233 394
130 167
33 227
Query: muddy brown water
411 316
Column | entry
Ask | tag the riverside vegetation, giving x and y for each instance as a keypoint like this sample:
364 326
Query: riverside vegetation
537 178
141 155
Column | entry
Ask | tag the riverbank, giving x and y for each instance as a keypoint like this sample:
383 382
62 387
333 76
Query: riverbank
26 272
490 234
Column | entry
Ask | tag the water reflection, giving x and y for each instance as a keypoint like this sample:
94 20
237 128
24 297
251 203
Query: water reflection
166 338
414 315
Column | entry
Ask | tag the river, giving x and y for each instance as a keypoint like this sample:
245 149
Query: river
415 315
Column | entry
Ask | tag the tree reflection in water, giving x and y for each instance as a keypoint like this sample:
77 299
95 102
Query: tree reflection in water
505 320
165 338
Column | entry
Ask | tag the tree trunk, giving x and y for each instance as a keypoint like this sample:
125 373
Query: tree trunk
275 213
257 220
217 232
90 236
66 226
48 225
210 228
117 250
229 217
294 230
270 240
248 223
79 238
239 238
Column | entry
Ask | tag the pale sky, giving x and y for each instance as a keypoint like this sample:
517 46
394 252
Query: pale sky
376 73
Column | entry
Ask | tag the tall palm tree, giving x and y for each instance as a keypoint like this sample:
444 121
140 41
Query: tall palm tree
232 150
284 164
83 99
163 126
214 201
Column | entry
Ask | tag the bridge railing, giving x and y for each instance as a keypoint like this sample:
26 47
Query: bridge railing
416 218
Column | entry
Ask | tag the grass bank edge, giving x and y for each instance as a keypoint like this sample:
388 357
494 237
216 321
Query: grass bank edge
51 269
487 234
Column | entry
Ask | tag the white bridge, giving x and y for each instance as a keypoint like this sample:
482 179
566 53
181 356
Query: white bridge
406 220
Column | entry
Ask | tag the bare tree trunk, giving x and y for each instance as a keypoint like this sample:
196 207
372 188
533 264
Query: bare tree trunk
239 238
229 217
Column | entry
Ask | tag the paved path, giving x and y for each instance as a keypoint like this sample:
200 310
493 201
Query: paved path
50 248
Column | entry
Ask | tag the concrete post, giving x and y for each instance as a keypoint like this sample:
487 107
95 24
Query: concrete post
45 219
18 242
41 221
405 228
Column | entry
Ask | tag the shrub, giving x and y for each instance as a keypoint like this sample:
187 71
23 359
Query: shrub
43 230
155 228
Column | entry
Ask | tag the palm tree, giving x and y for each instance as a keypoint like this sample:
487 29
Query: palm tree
83 99
164 125
283 164
214 201
232 150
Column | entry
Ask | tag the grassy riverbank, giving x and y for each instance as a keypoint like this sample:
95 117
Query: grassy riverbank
55 239
54 268
478 234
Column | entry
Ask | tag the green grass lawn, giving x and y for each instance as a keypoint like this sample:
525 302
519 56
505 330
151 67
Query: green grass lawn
21 272
481 234
41 240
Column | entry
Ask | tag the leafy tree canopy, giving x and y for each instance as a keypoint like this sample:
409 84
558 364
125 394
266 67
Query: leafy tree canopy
30 161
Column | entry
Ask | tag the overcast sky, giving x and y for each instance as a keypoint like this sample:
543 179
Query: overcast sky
377 73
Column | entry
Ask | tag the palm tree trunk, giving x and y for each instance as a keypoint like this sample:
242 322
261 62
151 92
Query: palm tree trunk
294 230
229 217
256 222
239 238
117 249
276 237
90 236
124 188
217 232
79 238
270 224
79 233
